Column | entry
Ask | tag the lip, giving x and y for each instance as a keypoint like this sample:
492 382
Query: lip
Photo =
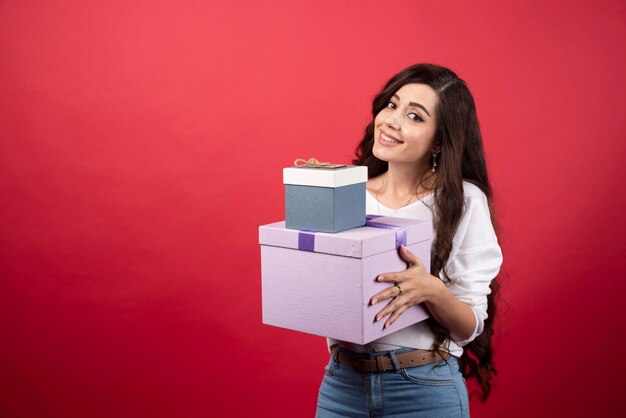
385 143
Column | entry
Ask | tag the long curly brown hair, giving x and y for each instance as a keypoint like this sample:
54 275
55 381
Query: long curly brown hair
461 157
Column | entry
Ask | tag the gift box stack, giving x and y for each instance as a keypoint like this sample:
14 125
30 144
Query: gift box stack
319 266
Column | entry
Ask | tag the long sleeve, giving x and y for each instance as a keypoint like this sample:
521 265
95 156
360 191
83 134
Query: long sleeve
475 258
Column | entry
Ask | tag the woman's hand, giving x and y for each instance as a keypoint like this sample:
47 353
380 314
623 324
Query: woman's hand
417 285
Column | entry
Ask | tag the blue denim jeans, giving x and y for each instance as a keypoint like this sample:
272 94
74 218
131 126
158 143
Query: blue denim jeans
433 390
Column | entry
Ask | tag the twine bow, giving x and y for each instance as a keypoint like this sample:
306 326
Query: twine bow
313 163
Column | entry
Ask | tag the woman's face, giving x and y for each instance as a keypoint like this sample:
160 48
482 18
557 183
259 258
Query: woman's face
404 130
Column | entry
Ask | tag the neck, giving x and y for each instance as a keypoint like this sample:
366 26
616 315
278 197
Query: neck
404 179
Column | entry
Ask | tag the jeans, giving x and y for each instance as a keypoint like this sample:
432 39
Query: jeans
432 390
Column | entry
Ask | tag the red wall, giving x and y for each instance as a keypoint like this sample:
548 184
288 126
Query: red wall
141 144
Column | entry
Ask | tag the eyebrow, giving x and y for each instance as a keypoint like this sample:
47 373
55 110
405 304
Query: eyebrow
413 104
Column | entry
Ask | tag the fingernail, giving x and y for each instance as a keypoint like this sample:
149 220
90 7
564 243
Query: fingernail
374 301
386 326
377 319
379 278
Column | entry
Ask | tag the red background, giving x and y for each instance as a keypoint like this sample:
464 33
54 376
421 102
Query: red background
142 144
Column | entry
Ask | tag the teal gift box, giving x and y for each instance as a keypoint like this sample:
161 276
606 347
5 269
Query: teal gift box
324 199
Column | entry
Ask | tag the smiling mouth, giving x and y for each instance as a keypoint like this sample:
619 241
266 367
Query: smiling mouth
390 139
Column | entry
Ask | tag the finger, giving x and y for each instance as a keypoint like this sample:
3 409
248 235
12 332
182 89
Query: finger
395 315
399 276
390 292
409 257
391 307
383 313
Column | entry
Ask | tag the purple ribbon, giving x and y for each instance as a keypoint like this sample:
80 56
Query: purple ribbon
400 230
306 241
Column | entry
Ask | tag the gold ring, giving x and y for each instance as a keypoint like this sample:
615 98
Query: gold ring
399 288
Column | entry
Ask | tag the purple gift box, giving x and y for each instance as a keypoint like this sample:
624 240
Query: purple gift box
321 283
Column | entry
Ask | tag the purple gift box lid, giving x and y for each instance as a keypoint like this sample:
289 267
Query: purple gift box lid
382 234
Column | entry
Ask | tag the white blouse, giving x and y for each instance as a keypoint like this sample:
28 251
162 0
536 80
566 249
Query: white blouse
475 259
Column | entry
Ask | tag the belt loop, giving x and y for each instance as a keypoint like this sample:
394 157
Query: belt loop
335 352
380 364
394 361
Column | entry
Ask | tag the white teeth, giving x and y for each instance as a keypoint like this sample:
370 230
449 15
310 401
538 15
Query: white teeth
388 139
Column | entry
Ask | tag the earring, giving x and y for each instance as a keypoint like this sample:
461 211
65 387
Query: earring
434 161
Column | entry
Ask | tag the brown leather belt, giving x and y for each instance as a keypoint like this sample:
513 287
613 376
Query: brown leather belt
383 363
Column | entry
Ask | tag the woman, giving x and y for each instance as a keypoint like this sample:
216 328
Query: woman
425 157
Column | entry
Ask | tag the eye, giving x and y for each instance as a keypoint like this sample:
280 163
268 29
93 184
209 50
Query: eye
391 105
415 117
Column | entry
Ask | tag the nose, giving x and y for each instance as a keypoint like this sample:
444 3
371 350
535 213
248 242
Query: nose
392 120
